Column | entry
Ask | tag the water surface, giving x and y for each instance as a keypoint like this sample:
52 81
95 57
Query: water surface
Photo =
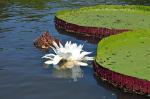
22 73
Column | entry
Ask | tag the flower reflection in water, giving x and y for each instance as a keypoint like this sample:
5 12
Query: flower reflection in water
68 73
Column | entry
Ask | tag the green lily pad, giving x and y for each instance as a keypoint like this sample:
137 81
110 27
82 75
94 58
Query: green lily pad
109 16
126 53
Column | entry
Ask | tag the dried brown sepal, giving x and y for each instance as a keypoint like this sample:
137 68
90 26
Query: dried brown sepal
45 41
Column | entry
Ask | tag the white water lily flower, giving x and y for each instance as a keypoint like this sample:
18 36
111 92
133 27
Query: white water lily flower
68 56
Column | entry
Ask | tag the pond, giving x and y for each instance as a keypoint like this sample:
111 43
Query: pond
22 72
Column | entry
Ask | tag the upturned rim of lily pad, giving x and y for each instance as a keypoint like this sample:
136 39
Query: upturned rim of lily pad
123 60
103 20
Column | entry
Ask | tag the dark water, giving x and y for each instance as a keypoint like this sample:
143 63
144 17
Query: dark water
22 73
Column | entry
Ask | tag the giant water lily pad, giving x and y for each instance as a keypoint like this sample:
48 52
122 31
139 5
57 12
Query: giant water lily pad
126 53
108 16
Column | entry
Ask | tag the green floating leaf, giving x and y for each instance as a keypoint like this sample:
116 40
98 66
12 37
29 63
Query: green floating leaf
128 55
109 16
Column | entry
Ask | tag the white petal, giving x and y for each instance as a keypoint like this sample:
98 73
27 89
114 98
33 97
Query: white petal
48 55
49 62
88 58
82 55
61 46
54 49
85 53
69 43
66 44
80 47
55 44
82 64
56 59
74 45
